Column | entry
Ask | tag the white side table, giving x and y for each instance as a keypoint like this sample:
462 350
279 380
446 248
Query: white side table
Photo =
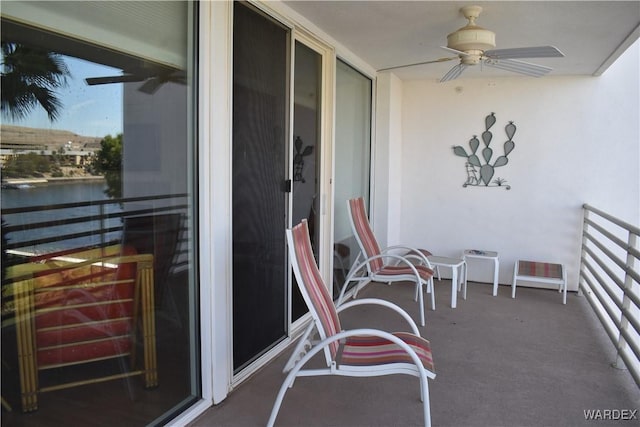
489 255
454 264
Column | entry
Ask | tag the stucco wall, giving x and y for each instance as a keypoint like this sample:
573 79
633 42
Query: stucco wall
577 141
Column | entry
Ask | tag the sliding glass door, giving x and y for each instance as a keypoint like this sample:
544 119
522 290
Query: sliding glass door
100 290
279 101
260 183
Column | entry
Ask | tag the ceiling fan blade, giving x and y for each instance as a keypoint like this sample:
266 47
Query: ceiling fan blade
525 52
419 63
125 78
457 52
151 85
453 73
515 66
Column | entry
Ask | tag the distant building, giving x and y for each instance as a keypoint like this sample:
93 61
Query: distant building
16 140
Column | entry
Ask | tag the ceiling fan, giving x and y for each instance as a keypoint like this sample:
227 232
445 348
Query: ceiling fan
475 45
151 82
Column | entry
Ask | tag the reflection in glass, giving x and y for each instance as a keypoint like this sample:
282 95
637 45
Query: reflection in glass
352 161
306 131
99 290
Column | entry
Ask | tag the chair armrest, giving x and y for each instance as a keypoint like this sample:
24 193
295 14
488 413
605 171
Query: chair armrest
413 253
384 303
356 268
424 373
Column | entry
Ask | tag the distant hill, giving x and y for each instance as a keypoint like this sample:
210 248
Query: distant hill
13 136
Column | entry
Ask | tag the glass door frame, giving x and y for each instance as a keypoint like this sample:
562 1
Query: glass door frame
213 88
324 217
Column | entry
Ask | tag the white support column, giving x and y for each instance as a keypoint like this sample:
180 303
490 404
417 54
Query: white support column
387 160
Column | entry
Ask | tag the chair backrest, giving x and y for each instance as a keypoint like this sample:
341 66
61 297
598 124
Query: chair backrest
159 235
363 233
311 285
83 311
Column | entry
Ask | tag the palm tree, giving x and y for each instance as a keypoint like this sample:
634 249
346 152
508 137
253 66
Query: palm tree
30 77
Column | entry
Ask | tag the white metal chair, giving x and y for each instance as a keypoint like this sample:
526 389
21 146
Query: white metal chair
393 264
357 352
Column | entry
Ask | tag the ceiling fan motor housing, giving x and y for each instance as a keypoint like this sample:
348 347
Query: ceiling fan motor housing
471 39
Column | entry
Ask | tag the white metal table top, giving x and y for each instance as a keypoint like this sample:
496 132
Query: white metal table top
480 253
445 261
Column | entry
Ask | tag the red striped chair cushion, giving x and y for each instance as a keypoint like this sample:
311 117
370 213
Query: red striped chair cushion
540 269
370 350
361 223
425 252
425 272
312 282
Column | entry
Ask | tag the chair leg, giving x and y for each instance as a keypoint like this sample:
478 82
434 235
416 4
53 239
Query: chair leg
25 334
513 285
361 284
424 398
433 294
355 292
564 284
288 382
463 283
421 302
276 405
148 327
425 403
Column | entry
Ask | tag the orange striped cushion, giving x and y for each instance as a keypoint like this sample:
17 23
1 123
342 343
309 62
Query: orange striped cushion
370 350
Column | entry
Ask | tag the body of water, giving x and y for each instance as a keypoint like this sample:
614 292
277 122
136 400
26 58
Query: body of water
54 194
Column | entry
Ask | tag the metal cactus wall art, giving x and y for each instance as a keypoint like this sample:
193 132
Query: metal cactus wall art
479 174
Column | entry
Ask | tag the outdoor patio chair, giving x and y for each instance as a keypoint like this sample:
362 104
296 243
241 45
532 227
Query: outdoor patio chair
81 308
159 235
392 264
356 352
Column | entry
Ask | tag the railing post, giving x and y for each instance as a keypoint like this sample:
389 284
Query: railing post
102 227
583 253
626 301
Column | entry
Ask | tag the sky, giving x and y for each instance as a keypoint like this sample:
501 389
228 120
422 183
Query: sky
86 110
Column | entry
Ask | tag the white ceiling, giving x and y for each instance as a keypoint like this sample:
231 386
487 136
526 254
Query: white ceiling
384 34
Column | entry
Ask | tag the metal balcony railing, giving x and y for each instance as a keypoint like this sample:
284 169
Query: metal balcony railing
610 280
35 230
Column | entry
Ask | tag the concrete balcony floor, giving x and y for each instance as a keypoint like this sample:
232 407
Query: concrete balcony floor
529 361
